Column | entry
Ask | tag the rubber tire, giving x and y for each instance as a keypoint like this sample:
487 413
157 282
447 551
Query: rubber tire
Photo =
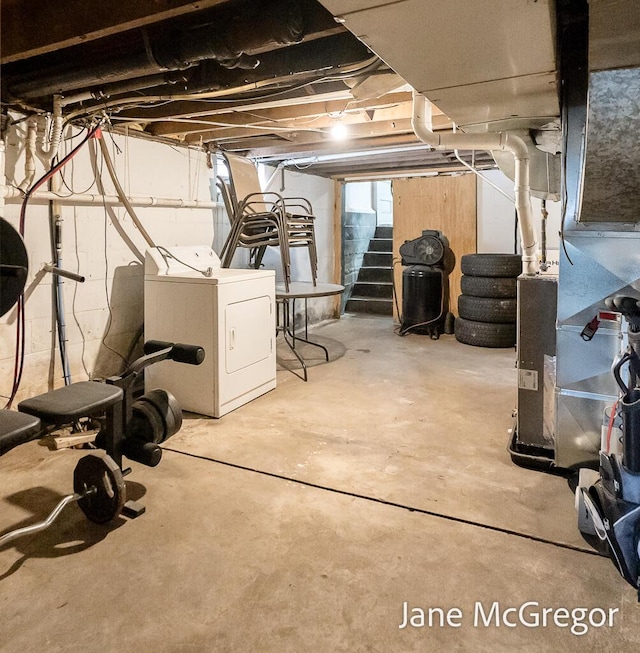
487 309
491 265
482 334
503 287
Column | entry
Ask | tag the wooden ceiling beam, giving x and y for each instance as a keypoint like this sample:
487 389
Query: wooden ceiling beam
356 131
252 121
309 105
34 27
394 105
264 147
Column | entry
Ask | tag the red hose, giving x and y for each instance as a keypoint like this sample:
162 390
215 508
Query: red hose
18 366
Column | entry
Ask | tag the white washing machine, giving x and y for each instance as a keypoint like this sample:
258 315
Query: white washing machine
231 313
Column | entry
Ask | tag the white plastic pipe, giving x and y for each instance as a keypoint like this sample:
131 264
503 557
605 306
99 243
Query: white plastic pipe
123 198
48 151
11 193
478 174
29 155
421 122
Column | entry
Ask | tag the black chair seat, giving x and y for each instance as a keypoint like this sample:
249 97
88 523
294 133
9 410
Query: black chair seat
71 402
16 428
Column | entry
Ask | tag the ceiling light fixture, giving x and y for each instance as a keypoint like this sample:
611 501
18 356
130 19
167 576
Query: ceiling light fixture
338 131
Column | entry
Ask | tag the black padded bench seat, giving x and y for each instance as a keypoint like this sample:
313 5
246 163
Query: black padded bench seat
71 402
16 428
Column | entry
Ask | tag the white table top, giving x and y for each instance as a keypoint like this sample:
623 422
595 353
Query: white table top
306 289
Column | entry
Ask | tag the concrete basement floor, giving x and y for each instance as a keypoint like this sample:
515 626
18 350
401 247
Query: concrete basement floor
304 520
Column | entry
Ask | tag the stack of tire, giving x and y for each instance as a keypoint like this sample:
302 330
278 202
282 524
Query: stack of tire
487 307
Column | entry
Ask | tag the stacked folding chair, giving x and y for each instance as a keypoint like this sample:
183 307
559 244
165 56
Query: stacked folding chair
260 220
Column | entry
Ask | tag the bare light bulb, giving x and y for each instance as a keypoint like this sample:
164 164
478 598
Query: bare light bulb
338 131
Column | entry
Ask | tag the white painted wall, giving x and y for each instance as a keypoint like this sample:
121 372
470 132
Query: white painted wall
496 216
384 203
103 315
358 197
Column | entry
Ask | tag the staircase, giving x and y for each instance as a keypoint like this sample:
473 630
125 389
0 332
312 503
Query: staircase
373 290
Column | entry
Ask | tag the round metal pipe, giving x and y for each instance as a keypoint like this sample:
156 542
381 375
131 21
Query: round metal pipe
420 121
10 193
216 37
59 272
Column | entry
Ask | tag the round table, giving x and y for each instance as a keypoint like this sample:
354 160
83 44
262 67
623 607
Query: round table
301 290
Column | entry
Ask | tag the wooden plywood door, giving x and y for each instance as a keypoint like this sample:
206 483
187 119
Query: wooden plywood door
447 204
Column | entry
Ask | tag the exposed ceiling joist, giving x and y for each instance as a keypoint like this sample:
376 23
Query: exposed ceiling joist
267 78
310 116
37 27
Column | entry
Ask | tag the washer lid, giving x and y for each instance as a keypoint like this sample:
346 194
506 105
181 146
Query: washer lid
217 278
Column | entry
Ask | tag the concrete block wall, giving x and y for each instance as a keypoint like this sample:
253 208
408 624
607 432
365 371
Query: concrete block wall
103 315
358 228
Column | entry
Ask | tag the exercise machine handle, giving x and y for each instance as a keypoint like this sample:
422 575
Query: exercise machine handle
179 352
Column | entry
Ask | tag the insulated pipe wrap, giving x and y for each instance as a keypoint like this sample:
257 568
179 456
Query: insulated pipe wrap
220 38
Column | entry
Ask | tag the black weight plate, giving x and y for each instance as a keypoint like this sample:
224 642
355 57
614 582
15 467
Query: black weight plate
102 473
13 266
167 406
146 423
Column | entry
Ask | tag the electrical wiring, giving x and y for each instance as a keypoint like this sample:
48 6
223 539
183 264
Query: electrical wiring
20 321
479 174
75 294
64 181
224 95
98 172
563 217
393 289
220 123
106 292
121 194
166 254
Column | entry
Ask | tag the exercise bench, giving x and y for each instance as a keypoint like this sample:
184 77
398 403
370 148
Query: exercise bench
130 428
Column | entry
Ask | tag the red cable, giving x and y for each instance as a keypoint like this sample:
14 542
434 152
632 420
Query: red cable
18 366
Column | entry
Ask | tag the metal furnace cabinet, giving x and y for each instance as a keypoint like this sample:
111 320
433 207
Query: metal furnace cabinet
230 313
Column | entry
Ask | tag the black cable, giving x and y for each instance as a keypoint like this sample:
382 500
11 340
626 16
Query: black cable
393 287
106 291
165 253
565 142
18 367
75 293
392 504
